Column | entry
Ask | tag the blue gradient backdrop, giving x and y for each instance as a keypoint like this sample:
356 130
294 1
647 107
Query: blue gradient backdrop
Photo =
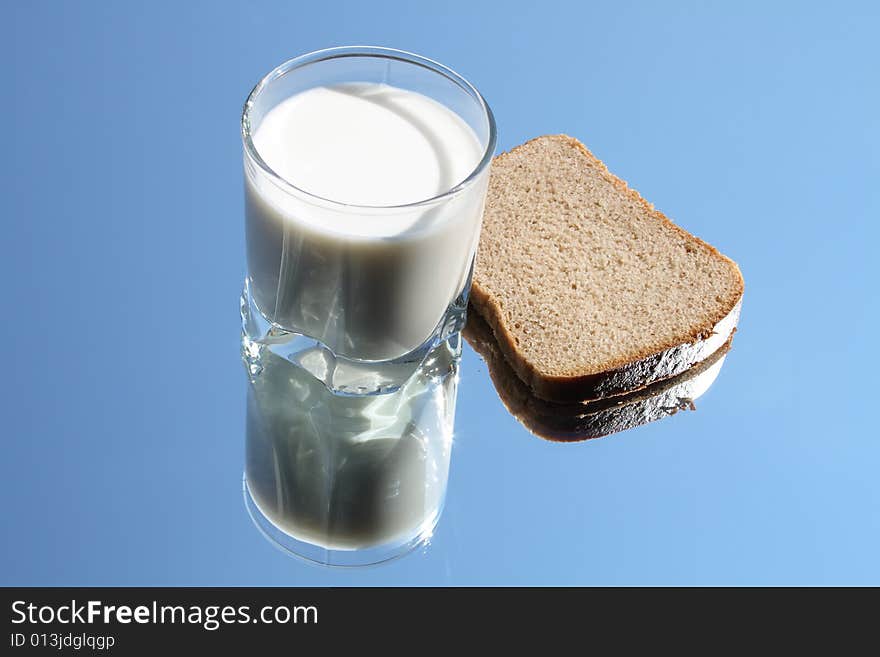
755 125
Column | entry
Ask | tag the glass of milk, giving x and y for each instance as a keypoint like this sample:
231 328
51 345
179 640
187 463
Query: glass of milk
365 178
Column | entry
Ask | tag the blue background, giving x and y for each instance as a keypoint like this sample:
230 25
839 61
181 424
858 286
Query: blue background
754 125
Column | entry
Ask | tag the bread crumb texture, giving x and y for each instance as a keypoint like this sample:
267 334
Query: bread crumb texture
580 274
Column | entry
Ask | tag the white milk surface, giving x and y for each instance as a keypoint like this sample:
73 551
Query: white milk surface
367 144
368 280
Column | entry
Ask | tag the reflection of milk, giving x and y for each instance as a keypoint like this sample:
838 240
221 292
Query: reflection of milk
370 283
349 473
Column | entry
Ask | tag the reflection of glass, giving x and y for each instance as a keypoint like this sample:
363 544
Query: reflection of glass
349 480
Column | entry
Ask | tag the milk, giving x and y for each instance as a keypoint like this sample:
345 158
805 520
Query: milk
351 473
348 255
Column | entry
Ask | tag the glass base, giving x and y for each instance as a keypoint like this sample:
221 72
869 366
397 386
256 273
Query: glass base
323 556
341 375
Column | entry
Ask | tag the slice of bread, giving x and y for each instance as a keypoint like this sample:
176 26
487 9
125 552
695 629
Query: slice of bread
577 421
588 289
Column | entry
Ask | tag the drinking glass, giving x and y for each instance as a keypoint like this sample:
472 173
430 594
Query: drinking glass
359 312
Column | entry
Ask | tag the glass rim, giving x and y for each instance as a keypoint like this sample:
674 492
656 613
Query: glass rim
382 53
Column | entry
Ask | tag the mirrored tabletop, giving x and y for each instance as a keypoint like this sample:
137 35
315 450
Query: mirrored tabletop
124 398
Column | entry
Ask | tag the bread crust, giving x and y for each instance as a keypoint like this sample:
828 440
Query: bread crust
621 376
585 420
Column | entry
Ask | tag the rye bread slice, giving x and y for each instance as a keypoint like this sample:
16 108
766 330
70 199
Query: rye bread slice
590 291
578 421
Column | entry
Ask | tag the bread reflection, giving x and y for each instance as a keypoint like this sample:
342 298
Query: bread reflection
577 421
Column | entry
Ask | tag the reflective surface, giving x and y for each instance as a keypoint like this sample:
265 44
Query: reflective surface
124 398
